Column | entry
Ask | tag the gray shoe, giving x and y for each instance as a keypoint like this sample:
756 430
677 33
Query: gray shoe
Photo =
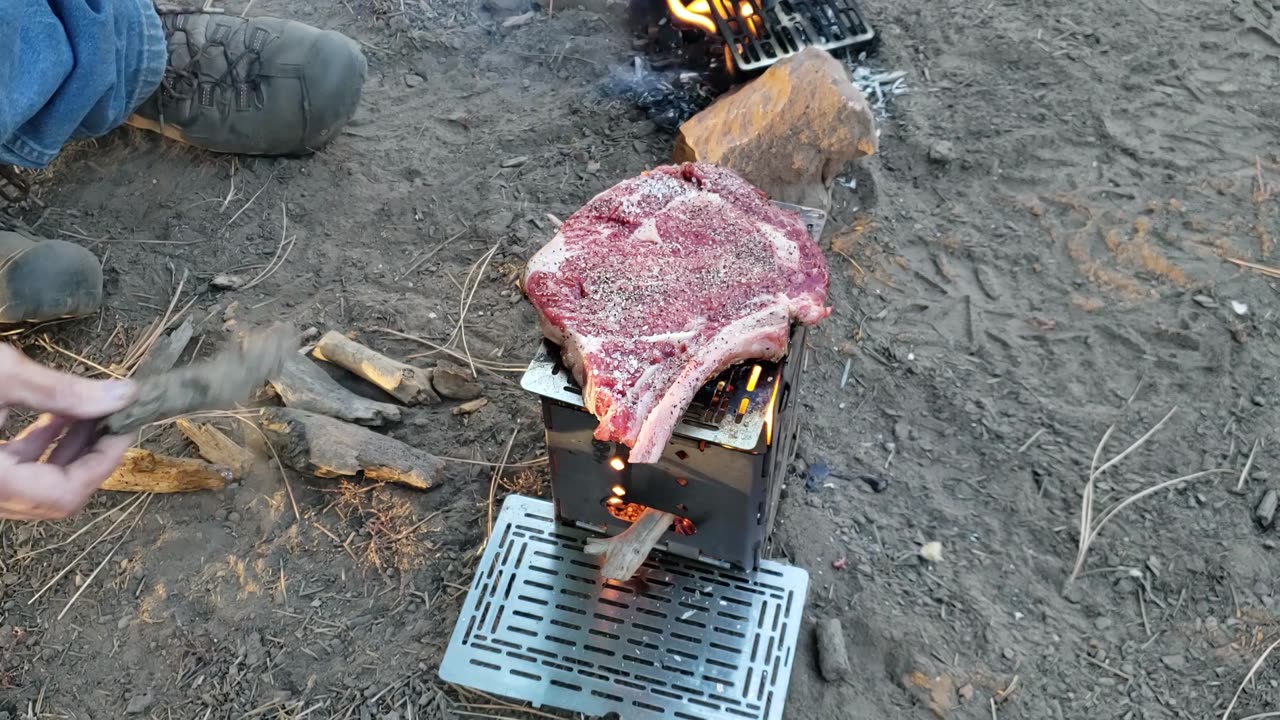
43 280
259 86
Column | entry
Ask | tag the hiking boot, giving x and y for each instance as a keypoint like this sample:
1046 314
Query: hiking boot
259 86
43 280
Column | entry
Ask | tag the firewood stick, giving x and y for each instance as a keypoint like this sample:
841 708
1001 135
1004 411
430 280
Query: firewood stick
219 383
144 471
217 448
406 383
625 552
304 385
328 448
471 406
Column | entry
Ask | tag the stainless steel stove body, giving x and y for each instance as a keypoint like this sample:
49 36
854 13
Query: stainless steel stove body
721 474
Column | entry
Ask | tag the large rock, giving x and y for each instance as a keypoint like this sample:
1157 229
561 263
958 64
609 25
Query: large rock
790 131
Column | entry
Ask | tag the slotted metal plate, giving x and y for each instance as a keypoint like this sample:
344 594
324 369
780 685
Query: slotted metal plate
681 640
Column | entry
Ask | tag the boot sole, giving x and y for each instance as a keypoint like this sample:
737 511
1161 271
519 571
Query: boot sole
173 133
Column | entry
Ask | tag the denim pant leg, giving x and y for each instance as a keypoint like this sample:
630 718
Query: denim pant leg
72 69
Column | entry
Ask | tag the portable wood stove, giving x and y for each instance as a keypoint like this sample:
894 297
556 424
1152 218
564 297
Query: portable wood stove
721 473
709 630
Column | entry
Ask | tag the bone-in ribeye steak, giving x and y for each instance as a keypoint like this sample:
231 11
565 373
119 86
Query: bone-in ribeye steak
664 280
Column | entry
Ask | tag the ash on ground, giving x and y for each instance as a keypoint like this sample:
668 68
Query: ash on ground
667 97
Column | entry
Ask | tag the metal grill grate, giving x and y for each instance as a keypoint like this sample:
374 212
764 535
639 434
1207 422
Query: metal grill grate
789 26
681 641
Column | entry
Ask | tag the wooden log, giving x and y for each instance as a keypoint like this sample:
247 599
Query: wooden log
625 552
406 383
144 471
217 448
220 383
165 353
469 407
304 385
328 448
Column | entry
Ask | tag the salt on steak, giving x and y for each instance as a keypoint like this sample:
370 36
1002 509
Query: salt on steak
664 280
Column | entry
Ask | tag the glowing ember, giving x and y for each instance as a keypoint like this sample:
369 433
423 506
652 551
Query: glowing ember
617 464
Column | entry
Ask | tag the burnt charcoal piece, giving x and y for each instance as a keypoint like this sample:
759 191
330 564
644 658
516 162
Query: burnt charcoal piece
668 97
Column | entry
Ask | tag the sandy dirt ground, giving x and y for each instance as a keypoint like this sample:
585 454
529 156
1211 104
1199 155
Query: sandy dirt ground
1037 254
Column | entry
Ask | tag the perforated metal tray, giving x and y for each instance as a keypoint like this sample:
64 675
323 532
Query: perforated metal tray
681 640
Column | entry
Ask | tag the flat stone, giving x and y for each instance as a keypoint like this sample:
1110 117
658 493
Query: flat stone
455 383
790 132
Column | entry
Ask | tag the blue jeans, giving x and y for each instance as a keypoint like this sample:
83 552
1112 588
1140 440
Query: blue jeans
72 69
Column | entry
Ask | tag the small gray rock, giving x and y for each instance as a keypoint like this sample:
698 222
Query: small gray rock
1102 623
1264 513
833 658
139 703
942 152
413 80
1174 662
455 383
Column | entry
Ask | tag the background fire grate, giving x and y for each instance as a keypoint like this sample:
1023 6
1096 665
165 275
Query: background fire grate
759 33
688 642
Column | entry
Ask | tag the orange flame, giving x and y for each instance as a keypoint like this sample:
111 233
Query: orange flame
698 13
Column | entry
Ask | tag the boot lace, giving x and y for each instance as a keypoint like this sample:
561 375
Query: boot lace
182 81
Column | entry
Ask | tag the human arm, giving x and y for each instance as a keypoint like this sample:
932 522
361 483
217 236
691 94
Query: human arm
78 460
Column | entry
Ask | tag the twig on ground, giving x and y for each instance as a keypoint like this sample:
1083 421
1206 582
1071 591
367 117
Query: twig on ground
1264 269
1248 465
89 581
1086 504
1236 698
77 533
492 367
497 473
282 251
123 516
255 197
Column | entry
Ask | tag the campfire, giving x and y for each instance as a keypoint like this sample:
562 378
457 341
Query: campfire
755 34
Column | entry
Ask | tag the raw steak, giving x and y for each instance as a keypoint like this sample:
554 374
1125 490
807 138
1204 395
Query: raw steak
661 282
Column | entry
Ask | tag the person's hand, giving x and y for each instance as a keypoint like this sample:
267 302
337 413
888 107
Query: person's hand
78 461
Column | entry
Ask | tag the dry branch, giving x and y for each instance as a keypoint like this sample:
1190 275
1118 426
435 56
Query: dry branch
328 448
165 353
625 552
303 385
216 447
144 471
217 384
471 406
408 384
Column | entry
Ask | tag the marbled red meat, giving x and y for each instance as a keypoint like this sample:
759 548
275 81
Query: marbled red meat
664 280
